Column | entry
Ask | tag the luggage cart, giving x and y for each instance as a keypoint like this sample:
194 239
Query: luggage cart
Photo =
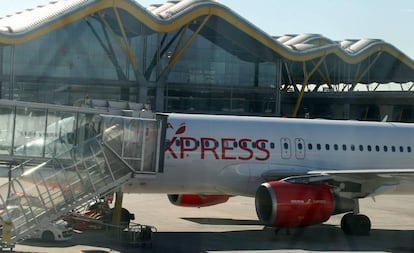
140 235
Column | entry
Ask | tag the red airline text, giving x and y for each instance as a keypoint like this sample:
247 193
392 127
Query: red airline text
219 149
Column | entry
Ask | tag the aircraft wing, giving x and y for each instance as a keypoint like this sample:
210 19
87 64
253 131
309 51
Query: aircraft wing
355 183
366 173
359 183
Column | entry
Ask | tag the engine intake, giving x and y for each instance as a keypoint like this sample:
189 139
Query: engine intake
284 204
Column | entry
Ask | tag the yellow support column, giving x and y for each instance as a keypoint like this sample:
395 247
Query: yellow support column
359 76
128 51
306 78
116 216
125 47
179 51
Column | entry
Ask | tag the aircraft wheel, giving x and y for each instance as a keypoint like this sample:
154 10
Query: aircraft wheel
346 223
353 224
362 225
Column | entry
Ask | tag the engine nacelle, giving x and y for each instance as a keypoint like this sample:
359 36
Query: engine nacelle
284 204
197 200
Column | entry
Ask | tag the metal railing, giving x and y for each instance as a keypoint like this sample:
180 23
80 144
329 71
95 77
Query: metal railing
48 190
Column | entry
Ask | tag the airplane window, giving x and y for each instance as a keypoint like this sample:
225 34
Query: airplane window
409 149
300 146
327 146
235 144
401 149
263 145
285 145
318 146
344 147
369 148
377 148
353 147
244 144
207 143
336 146
187 143
216 144
385 148
361 148
177 143
272 145
393 148
310 146
167 142
227 144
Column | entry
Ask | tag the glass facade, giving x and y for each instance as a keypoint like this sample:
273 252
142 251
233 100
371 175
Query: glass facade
64 66
88 58
209 79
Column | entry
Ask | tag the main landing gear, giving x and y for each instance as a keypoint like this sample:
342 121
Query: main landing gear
355 223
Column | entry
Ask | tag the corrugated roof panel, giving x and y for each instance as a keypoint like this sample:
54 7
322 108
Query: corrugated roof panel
152 7
304 47
302 38
31 18
283 39
180 6
363 44
173 15
162 8
346 43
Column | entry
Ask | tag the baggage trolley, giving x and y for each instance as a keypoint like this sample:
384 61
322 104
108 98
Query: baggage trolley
140 235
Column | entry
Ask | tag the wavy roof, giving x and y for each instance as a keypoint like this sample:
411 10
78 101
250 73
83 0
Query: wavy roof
229 30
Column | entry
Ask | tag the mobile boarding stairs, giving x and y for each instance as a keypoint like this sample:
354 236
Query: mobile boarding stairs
61 167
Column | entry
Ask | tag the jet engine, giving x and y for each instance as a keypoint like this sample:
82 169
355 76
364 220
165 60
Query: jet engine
197 200
284 204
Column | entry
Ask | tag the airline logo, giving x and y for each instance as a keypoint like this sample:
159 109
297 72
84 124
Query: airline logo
226 148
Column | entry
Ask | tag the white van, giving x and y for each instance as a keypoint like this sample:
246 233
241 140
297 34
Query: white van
55 231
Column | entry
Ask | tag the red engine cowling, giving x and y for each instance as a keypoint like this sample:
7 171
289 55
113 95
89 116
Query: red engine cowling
197 200
284 204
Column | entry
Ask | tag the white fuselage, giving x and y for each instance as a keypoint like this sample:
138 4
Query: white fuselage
231 154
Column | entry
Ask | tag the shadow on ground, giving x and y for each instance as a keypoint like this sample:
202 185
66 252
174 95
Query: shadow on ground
316 238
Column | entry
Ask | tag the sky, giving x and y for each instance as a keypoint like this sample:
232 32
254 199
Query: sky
388 20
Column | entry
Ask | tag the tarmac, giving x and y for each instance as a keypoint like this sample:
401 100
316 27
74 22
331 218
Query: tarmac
233 227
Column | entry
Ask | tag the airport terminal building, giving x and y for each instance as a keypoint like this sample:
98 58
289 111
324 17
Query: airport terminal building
77 78
195 56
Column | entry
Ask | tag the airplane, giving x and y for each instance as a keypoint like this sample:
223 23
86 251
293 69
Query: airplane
300 171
